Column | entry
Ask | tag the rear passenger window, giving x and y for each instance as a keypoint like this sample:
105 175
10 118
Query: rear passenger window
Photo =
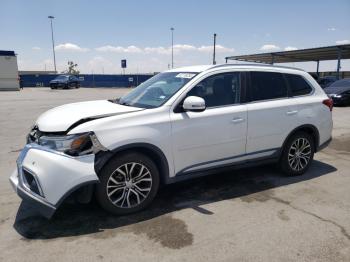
267 85
298 85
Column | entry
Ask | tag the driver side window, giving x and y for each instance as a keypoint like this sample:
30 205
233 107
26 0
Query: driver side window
218 90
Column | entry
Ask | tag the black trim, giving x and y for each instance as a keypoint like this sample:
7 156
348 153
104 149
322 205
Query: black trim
299 128
244 87
72 190
183 171
43 208
324 145
40 206
103 157
222 168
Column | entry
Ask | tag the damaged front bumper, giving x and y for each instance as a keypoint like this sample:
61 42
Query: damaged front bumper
46 177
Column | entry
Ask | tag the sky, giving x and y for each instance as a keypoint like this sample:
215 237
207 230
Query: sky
98 34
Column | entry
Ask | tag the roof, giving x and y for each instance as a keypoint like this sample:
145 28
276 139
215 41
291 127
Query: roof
192 69
255 66
202 68
7 53
301 55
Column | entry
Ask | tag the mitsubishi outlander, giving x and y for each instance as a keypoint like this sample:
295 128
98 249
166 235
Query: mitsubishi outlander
179 124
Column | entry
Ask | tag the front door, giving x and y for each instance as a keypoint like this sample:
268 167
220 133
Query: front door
216 136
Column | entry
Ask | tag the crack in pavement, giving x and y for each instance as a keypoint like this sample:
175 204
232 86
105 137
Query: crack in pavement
342 229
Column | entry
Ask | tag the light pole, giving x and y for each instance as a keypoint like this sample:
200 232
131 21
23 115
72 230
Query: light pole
172 47
214 62
53 41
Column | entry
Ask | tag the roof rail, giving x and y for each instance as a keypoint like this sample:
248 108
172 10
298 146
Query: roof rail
259 65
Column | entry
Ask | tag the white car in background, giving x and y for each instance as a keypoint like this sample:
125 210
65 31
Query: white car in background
180 124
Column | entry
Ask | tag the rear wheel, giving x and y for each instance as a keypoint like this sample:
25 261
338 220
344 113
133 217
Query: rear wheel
297 154
128 183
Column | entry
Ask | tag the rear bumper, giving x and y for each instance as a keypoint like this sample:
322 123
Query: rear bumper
45 178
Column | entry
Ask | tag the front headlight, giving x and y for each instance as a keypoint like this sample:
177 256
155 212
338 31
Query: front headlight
337 96
78 144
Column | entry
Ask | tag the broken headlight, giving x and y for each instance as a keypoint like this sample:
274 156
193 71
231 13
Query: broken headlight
74 145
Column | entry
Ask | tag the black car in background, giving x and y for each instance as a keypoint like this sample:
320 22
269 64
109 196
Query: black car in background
339 91
326 81
65 82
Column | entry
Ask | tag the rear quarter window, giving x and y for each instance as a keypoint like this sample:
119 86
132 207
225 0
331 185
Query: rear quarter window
298 85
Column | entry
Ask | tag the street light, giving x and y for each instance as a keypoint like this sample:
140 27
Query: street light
53 41
172 47
214 62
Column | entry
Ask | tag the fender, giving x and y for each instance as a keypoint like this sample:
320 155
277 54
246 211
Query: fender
152 151
315 134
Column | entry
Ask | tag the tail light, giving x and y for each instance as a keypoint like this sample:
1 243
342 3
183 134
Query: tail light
329 103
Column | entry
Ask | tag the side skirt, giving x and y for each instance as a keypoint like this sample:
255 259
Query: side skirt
221 168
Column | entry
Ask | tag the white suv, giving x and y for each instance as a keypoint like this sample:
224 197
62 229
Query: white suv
179 124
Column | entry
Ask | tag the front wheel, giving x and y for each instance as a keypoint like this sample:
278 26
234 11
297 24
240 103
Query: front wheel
128 183
297 154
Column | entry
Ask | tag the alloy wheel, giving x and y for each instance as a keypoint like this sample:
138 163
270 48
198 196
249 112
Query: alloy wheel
129 185
299 154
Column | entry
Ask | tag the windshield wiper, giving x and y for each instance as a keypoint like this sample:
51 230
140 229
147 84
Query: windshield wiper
124 103
117 101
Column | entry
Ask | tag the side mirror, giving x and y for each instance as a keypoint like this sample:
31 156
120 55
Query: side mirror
194 104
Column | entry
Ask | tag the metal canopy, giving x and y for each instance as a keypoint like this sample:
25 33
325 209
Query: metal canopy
303 55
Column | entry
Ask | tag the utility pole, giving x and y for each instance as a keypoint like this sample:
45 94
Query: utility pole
214 62
53 42
172 47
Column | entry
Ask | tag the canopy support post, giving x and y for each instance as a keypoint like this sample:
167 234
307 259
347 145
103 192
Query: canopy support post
338 65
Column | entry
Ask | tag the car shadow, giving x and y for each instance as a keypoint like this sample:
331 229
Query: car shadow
75 220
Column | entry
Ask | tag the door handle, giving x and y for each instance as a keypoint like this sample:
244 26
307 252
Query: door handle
237 120
292 112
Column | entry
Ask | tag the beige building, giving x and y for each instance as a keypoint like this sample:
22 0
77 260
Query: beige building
8 71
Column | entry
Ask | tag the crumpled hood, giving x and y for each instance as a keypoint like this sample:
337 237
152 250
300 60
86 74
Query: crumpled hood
59 119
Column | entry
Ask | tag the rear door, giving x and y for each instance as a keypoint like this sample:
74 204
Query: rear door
271 114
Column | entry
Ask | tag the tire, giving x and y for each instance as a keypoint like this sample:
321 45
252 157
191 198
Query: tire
297 154
77 85
120 196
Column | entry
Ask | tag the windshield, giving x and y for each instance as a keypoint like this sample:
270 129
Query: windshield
156 90
342 83
61 78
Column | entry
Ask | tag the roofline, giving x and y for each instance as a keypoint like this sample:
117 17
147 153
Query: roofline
255 65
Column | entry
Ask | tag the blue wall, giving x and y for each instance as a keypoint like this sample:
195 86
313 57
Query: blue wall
88 80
